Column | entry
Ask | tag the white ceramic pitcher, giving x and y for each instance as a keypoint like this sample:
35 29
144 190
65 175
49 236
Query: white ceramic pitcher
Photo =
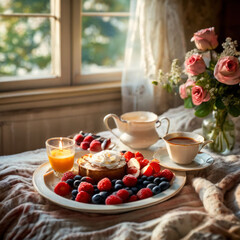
137 129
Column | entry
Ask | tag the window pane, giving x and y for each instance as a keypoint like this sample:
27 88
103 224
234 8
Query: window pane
105 5
25 47
103 43
24 6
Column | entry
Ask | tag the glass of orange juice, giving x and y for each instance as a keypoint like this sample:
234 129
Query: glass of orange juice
60 151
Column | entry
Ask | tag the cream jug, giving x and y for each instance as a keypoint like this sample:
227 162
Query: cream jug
137 129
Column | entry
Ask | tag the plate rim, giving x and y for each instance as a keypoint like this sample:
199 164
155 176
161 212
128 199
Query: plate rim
182 167
46 192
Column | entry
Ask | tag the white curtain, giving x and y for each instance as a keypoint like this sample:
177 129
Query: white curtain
155 38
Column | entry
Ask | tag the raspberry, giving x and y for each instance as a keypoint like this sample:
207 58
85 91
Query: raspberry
129 180
133 198
138 154
84 145
113 199
104 184
167 174
86 187
95 146
67 175
62 189
88 139
143 163
78 138
123 194
128 155
144 193
83 197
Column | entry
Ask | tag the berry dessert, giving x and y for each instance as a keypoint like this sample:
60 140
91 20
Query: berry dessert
107 163
92 142
139 179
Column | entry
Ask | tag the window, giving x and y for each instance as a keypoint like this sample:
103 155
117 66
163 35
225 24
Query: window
50 43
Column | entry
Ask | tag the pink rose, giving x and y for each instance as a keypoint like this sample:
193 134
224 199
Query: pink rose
205 39
184 87
199 95
195 65
227 70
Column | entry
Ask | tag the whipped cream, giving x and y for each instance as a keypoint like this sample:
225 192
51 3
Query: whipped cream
107 158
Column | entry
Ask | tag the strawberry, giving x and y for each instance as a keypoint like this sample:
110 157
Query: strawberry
129 180
113 199
144 162
138 154
67 175
83 197
84 145
62 189
128 155
133 167
133 171
78 138
144 193
104 185
88 138
86 187
167 174
95 146
156 166
139 159
147 170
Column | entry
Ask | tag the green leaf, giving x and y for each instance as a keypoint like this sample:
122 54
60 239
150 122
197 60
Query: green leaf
155 83
234 110
204 109
219 103
188 103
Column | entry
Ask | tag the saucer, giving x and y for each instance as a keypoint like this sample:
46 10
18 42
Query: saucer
201 161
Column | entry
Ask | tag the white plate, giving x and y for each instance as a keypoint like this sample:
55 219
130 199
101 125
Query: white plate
44 181
201 161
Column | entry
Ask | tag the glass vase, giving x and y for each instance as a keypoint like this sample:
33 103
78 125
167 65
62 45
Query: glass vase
220 128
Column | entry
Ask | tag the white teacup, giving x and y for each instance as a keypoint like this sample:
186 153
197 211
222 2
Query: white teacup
183 147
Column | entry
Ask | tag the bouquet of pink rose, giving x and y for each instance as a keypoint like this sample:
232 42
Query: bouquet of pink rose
212 79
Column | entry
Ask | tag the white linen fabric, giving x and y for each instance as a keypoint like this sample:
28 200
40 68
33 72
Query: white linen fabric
155 38
208 206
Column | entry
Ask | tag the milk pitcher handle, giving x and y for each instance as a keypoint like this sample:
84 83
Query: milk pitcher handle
159 123
205 143
105 121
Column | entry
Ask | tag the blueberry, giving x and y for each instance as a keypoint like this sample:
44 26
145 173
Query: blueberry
127 188
140 181
114 181
130 192
164 185
163 179
143 177
151 185
134 190
84 179
77 177
145 183
156 190
74 193
123 151
70 182
97 199
76 183
118 186
150 178
157 180
119 182
104 194
96 190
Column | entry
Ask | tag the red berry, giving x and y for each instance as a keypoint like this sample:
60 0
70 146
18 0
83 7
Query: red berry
139 159
133 198
113 199
159 174
62 189
86 187
104 184
83 197
147 170
95 146
167 174
88 139
84 145
128 155
88 179
138 154
156 167
144 193
67 175
78 138
123 194
143 163
129 180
